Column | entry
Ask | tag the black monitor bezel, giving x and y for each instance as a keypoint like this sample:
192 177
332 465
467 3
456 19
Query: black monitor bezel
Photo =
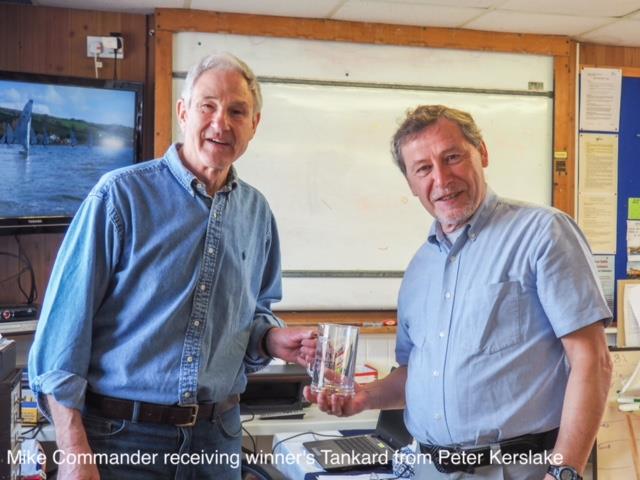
57 224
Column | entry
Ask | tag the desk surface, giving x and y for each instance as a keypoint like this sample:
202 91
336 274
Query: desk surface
314 420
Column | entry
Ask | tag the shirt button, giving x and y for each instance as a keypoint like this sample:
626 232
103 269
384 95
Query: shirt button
441 334
187 394
436 373
447 295
197 323
215 215
437 416
210 251
189 359
203 287
452 259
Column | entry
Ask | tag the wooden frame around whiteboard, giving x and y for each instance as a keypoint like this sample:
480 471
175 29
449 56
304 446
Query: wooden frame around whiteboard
168 21
620 309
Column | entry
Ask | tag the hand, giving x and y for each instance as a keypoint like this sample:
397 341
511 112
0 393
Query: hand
77 470
72 442
340 405
293 344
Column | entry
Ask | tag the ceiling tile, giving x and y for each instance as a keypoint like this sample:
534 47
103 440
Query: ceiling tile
405 13
288 8
622 32
501 21
451 3
586 8
127 6
525 16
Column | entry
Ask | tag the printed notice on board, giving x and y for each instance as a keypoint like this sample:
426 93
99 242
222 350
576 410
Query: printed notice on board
600 90
606 273
598 220
598 163
633 248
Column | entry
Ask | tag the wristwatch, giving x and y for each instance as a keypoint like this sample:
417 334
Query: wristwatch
563 472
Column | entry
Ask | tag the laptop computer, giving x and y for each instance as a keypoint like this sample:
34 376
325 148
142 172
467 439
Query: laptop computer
363 451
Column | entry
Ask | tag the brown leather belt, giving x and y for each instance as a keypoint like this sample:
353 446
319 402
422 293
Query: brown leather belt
176 415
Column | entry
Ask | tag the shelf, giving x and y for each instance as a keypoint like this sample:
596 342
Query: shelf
18 327
369 321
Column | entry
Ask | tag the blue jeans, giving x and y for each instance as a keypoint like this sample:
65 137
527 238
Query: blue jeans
145 451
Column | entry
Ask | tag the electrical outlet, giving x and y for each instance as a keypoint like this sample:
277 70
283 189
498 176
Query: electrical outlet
110 43
103 47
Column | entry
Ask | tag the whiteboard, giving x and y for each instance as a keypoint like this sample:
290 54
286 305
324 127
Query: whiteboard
322 158
362 62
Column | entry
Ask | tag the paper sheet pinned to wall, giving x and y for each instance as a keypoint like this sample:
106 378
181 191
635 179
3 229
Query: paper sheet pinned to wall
632 315
598 163
600 90
597 217
605 264
633 248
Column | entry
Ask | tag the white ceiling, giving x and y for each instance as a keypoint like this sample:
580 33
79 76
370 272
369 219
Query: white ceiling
612 22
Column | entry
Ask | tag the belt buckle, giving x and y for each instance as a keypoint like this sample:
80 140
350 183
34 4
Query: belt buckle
193 417
450 466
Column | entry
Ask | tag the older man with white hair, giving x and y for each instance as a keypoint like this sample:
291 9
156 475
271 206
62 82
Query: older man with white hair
160 301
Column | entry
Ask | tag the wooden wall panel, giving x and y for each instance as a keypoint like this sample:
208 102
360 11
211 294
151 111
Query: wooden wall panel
564 161
41 250
57 59
149 111
53 41
163 79
609 55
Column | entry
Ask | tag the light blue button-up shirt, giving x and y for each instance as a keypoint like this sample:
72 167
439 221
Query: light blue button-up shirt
480 322
160 293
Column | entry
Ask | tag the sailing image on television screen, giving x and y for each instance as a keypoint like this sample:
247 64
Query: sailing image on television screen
56 141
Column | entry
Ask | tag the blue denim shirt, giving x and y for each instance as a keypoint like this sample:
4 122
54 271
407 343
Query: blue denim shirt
160 293
480 323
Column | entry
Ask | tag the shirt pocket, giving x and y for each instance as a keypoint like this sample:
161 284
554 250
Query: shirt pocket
491 317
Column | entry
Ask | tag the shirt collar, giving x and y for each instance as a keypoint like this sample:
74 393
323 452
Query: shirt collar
474 225
188 180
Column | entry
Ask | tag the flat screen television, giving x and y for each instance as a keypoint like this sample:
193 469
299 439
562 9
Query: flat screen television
58 136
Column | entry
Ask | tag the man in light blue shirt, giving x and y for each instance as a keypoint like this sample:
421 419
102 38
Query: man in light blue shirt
501 322
160 301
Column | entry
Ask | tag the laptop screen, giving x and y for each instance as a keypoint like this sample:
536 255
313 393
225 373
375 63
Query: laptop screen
391 428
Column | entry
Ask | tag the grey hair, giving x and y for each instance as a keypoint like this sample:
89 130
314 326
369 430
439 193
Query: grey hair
223 61
423 116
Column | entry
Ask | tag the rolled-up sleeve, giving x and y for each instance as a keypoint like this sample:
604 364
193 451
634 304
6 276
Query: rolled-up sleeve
270 292
60 356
